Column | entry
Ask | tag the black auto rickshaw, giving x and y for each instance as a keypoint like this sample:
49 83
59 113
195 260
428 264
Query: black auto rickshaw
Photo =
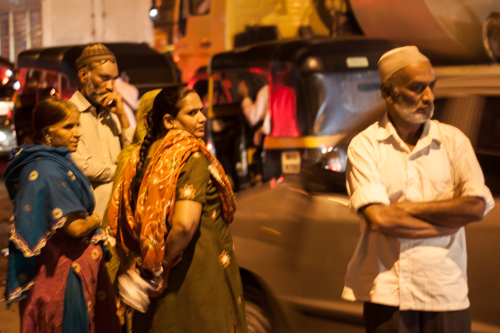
318 89
230 134
46 71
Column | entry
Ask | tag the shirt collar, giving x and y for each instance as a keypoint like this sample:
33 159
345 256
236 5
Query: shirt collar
82 104
386 130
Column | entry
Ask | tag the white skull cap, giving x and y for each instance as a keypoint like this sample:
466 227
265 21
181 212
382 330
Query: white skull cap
397 59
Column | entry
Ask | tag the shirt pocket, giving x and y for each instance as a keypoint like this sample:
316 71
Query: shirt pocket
440 185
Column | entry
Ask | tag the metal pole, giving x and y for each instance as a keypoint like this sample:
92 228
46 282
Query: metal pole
12 44
28 29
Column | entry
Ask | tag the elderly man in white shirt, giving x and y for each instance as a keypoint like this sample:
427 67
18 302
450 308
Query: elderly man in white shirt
104 125
417 183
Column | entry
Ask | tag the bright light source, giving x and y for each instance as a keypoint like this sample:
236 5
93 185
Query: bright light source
8 73
176 58
324 151
16 85
209 146
3 137
335 166
330 149
153 13
5 80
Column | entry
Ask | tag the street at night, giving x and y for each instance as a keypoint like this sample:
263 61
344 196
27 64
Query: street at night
249 166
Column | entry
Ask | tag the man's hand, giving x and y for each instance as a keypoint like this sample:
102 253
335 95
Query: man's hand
458 190
456 212
113 101
257 137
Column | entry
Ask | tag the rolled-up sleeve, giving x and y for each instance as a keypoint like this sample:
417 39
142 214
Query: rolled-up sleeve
467 171
363 179
127 136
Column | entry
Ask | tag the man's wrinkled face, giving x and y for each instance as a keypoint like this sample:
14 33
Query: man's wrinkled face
413 93
99 81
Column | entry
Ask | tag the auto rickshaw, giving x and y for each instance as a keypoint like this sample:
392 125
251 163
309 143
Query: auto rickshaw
48 71
318 89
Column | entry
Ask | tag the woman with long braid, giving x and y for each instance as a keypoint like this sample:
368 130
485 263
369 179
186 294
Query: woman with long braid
170 214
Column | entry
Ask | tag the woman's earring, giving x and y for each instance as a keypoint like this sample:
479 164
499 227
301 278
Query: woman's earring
48 141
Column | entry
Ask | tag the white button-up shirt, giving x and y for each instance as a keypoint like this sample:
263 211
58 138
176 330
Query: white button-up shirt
100 144
413 274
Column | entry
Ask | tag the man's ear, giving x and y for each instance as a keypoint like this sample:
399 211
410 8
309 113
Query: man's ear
167 121
83 75
386 91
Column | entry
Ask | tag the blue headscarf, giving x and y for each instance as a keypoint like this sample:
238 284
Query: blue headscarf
45 186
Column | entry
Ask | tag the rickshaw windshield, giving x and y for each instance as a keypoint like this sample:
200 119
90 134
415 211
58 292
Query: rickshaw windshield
330 103
347 97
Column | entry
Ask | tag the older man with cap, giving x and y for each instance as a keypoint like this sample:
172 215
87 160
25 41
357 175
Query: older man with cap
104 124
417 183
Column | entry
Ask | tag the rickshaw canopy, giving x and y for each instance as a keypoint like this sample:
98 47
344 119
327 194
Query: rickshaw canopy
147 68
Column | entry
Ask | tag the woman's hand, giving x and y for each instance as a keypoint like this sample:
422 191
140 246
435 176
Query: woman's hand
134 290
78 225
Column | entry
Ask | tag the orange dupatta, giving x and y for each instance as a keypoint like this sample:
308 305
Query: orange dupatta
145 231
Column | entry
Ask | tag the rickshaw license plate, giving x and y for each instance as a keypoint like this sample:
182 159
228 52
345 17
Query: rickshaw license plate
290 162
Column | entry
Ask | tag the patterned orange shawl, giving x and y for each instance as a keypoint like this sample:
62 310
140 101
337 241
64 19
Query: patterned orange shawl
145 232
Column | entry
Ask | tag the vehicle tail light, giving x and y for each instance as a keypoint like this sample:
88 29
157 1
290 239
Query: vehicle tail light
333 162
335 166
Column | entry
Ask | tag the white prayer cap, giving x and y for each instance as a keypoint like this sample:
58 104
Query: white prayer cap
397 59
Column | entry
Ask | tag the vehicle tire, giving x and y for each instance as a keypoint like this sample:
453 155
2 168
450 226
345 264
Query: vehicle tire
258 310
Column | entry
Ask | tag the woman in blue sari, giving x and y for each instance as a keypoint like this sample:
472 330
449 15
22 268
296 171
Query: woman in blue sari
56 265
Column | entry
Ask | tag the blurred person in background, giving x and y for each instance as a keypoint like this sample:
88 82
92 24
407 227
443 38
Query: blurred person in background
130 95
170 213
255 106
417 183
104 122
56 259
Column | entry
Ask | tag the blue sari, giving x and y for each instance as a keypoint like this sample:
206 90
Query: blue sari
45 186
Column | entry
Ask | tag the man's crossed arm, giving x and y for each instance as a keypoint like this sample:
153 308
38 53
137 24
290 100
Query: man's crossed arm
424 219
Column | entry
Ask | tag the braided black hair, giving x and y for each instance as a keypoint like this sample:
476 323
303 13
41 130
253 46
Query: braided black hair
166 102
